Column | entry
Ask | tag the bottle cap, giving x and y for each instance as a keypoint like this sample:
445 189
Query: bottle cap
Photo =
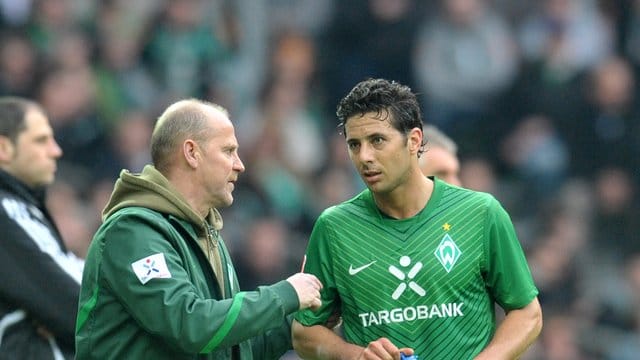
408 357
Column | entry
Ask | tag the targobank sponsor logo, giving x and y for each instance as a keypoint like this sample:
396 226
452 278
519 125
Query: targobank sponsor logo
419 312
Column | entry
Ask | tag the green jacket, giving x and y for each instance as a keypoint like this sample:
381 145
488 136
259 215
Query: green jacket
150 289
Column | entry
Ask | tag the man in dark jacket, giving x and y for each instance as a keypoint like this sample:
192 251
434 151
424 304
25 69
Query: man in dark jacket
40 278
158 281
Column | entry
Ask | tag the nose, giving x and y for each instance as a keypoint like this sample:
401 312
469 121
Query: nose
55 149
238 165
365 153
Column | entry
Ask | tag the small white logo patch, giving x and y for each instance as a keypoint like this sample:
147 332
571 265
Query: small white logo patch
153 266
353 271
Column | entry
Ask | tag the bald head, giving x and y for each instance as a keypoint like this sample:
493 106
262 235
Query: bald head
185 119
440 158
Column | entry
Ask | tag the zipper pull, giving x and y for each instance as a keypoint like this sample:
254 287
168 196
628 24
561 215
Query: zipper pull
212 234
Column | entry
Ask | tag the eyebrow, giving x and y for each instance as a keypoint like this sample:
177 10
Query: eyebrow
369 136
230 146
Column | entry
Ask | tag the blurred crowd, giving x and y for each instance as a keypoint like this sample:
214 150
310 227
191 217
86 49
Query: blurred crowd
541 97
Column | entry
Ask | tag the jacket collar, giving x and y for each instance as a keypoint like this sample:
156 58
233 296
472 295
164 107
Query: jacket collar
13 185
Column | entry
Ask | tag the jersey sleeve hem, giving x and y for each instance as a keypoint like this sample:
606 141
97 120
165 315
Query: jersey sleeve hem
520 302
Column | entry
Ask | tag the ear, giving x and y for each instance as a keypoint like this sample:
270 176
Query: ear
191 153
415 140
7 149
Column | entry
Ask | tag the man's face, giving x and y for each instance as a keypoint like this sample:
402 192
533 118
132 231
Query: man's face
221 164
438 162
380 153
32 158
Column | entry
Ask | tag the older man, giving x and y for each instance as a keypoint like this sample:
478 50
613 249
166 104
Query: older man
159 282
440 158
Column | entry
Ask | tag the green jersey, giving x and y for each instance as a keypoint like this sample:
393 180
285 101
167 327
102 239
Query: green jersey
429 282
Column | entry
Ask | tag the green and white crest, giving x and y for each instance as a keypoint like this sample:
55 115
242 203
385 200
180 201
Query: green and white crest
447 252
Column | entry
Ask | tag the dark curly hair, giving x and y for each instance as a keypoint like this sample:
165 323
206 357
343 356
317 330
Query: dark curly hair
385 98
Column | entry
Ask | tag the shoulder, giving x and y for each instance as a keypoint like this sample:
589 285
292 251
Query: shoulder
472 196
5 193
134 212
466 202
9 199
133 232
16 211
133 221
360 204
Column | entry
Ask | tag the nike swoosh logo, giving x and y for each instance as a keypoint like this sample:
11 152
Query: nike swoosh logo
353 271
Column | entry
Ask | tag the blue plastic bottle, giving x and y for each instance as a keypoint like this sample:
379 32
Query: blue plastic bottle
408 357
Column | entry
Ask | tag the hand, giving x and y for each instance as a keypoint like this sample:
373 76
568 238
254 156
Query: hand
383 349
307 287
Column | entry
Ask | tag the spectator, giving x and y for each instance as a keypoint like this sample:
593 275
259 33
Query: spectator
266 254
574 31
369 38
464 59
610 130
538 157
18 66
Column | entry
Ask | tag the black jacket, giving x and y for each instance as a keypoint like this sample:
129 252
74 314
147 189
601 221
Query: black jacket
39 278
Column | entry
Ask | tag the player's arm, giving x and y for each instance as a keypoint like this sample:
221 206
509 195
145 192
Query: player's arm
320 342
515 334
511 283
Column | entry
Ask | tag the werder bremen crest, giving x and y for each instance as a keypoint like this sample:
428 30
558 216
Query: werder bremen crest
447 252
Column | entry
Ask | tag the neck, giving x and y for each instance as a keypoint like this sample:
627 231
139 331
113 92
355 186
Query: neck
407 200
191 193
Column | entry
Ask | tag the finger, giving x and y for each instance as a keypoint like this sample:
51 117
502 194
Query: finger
313 281
317 282
372 351
388 349
407 351
376 350
316 303
387 345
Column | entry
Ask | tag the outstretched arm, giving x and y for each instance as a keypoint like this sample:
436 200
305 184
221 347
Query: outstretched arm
515 334
319 342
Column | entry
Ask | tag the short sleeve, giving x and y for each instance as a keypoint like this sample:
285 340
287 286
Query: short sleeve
319 263
508 276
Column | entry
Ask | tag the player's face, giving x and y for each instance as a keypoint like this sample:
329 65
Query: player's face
381 154
33 156
221 164
442 164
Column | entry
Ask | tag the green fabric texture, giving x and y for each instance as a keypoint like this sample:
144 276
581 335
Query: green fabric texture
187 313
